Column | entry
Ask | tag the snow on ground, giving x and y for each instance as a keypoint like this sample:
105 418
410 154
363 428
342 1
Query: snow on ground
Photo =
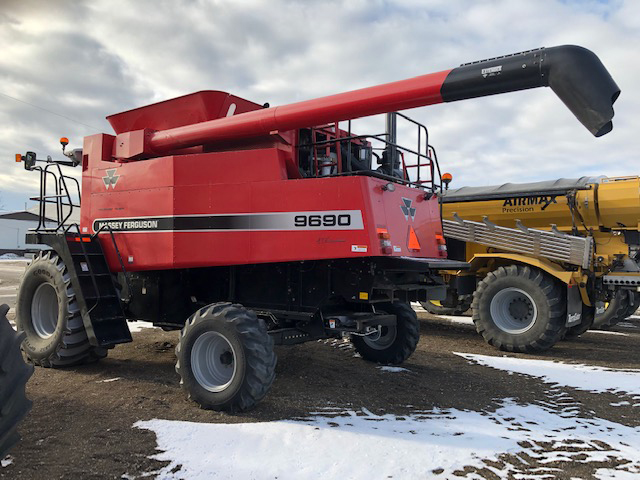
608 332
629 324
133 326
335 444
109 380
12 257
583 377
457 319
387 368
139 325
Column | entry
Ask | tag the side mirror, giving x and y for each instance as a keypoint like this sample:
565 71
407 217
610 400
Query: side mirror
30 160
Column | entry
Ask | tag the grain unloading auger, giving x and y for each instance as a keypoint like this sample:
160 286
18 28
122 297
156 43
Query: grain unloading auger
245 225
575 74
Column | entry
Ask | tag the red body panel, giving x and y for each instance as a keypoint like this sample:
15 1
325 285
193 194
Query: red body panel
226 187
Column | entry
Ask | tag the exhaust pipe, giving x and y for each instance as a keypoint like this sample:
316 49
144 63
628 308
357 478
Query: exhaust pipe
574 73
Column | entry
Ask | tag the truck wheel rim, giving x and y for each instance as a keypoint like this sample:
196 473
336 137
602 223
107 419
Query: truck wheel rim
382 340
513 310
44 310
213 361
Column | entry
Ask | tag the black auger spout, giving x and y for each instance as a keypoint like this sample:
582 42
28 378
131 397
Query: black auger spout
574 73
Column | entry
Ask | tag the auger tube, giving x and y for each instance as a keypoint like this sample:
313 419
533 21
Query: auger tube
574 73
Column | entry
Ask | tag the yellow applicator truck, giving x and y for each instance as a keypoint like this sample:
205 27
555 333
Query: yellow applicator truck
546 257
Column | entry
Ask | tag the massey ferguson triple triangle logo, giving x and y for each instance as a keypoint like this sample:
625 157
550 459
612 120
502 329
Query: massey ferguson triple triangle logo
407 209
110 179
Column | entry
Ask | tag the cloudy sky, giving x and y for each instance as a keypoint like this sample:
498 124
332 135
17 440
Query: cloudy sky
86 60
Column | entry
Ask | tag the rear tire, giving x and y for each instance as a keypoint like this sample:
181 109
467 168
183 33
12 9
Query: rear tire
634 304
436 308
394 344
615 311
49 315
14 374
519 309
588 315
225 358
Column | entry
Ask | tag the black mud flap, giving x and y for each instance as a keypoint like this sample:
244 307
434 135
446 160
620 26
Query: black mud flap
574 306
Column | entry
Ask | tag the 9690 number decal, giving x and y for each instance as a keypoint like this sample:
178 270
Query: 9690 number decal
328 220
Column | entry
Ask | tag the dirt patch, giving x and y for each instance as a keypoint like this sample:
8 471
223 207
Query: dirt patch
81 422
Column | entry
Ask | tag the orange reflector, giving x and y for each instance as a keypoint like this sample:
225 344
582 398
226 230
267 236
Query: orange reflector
414 244
78 239
18 158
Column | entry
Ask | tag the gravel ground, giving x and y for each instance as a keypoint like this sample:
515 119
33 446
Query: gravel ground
81 422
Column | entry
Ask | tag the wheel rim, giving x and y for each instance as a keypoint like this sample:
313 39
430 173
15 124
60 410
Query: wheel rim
213 361
513 310
44 310
382 340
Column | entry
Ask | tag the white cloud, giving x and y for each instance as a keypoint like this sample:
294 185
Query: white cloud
88 60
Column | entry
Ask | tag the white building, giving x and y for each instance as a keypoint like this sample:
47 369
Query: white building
14 226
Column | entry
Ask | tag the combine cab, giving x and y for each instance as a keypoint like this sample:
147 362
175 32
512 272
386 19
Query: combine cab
246 225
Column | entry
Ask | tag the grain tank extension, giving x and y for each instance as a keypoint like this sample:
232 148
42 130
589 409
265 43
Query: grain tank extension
246 225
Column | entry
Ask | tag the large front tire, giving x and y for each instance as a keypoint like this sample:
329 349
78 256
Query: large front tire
225 358
48 313
519 309
14 374
392 345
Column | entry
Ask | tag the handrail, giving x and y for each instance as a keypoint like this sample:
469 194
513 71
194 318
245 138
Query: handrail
105 226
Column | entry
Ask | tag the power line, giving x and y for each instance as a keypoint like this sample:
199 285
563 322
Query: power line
49 111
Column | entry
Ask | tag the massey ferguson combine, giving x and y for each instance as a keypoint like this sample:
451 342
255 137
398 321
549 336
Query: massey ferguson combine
246 225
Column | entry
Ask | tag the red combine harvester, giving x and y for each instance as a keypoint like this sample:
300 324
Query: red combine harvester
246 225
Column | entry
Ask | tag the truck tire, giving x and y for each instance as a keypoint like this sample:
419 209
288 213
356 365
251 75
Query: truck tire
48 313
588 315
519 309
225 358
395 344
614 311
436 308
14 374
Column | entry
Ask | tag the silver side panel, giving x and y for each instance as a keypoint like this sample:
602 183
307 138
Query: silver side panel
552 245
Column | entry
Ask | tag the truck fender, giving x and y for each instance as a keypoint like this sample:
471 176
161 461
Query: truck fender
484 261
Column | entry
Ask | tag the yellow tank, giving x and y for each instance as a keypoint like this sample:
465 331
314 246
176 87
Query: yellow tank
604 208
